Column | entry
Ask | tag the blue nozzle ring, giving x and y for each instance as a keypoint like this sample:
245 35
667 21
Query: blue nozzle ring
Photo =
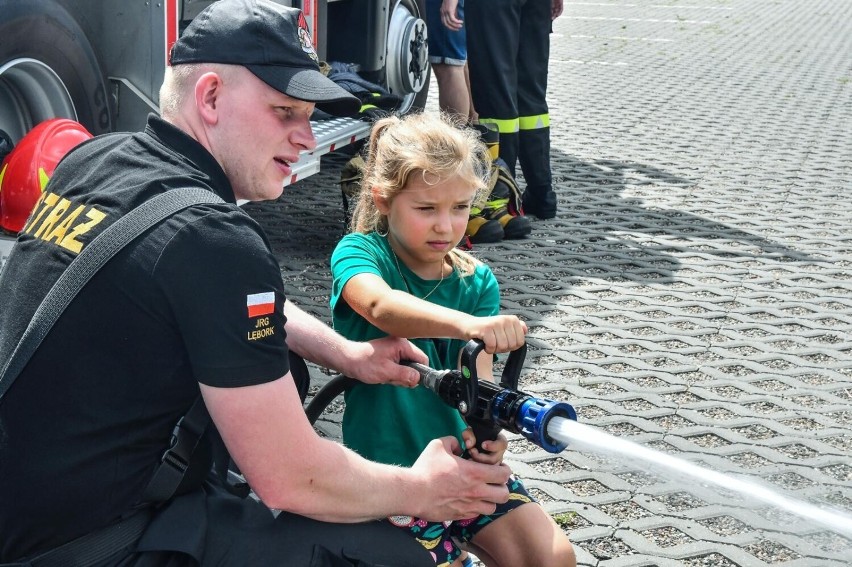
533 417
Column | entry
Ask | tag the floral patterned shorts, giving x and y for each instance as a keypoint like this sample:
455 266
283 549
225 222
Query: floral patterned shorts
442 539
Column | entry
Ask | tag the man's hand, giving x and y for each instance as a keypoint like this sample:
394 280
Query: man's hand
555 9
450 16
454 488
500 333
378 362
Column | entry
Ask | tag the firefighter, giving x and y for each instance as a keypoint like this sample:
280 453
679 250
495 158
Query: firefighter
194 310
508 46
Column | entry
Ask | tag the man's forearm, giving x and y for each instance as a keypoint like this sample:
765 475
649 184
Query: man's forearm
313 340
348 489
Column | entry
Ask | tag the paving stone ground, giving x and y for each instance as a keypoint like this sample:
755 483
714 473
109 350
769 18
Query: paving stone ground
694 293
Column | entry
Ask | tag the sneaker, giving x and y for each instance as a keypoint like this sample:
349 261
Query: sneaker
481 229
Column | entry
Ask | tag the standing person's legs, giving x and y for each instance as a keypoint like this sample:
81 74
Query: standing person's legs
534 117
493 36
452 89
448 57
472 115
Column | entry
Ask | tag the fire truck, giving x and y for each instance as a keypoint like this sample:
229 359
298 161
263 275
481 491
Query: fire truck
101 62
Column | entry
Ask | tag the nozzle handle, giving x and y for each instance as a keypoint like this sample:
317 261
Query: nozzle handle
512 369
480 419
450 385
484 432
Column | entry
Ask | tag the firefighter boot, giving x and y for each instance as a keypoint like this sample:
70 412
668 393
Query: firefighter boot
481 229
505 203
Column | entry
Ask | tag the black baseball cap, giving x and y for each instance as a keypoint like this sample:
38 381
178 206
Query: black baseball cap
270 40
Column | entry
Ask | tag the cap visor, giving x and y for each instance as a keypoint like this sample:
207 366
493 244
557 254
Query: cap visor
309 85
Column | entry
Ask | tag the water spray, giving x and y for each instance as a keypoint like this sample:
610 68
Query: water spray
489 408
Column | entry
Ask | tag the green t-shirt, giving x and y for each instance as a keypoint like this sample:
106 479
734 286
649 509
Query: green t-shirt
392 424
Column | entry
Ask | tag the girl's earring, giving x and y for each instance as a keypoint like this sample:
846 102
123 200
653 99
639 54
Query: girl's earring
380 233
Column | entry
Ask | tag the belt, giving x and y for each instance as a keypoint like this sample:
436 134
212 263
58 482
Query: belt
95 546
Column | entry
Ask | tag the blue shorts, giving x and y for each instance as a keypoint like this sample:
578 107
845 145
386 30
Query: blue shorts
442 539
446 47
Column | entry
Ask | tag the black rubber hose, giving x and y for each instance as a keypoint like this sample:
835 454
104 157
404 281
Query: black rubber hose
326 395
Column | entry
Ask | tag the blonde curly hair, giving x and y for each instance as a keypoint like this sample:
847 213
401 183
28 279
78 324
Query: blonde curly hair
433 146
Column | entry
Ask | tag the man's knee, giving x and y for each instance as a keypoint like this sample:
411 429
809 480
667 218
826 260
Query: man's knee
448 73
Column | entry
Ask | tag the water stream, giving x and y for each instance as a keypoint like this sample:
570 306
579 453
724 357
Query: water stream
585 438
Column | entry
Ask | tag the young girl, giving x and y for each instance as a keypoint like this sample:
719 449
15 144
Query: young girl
399 273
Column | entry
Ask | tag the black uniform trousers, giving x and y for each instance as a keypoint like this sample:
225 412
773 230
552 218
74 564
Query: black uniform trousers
508 45
213 527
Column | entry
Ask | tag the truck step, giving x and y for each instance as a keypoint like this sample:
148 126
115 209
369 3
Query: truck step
331 135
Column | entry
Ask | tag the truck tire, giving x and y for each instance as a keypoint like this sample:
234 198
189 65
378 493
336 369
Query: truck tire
48 69
420 100
417 8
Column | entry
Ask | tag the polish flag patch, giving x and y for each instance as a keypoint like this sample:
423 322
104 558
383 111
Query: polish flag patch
260 303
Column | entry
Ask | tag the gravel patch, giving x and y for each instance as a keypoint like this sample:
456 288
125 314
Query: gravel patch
639 478
749 460
755 432
842 472
771 551
680 501
667 536
625 510
586 487
711 560
797 451
606 547
709 440
724 525
553 466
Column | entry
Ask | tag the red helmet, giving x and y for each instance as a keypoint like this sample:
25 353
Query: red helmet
26 170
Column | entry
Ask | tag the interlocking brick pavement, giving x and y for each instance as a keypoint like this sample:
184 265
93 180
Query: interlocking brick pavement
694 293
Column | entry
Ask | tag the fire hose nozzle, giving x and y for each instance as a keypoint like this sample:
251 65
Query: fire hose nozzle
488 408
534 416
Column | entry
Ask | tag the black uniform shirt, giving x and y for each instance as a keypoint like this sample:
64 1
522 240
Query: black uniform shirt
198 299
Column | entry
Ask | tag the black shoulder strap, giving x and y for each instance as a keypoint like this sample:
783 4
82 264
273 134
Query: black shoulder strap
88 262
175 461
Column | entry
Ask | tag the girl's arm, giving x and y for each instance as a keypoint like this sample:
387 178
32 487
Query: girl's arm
401 314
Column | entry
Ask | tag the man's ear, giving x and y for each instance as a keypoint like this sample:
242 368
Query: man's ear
208 89
381 202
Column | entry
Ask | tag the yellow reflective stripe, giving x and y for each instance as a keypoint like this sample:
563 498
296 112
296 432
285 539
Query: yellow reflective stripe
3 174
503 126
534 122
367 107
